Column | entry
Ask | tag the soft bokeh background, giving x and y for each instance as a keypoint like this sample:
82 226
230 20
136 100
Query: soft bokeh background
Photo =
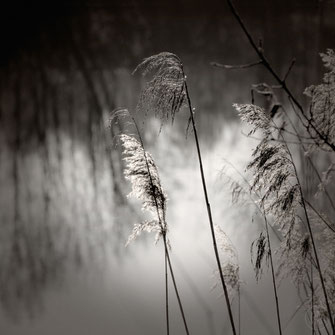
64 213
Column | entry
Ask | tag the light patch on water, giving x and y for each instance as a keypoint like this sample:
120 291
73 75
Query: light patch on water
125 295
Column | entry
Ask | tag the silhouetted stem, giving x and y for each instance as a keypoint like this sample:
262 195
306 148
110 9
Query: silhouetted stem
166 296
320 216
209 212
308 158
163 231
318 266
273 275
312 292
239 309
197 295
266 223
175 287
325 326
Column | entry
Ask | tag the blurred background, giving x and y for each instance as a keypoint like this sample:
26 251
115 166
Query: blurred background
65 218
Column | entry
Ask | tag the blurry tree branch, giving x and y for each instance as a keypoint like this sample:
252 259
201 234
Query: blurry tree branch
79 57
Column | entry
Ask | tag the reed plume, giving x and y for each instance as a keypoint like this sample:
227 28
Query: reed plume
322 115
275 176
165 93
142 172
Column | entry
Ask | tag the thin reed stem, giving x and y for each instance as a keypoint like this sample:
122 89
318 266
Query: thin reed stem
320 216
273 275
317 259
175 288
266 223
331 202
255 203
197 294
294 314
163 231
311 234
325 326
239 309
166 295
312 292
209 212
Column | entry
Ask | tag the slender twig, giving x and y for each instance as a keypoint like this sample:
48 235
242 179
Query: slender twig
294 315
209 212
289 69
271 139
236 67
255 203
295 133
330 199
320 216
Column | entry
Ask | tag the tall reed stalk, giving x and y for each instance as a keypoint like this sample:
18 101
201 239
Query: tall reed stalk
209 211
273 275
239 190
146 186
165 94
163 228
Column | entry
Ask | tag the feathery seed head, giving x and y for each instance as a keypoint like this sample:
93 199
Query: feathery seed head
230 267
322 108
164 93
259 247
255 116
142 172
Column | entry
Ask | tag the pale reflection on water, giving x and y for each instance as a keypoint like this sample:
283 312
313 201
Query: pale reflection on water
123 292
